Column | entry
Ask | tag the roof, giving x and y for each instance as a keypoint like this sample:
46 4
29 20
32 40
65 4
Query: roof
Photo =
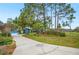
27 28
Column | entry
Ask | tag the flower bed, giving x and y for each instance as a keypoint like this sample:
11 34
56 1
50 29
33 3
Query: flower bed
7 44
7 49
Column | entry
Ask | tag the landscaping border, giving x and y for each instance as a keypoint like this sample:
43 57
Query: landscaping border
7 49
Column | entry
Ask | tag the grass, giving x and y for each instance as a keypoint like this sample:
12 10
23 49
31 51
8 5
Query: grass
71 39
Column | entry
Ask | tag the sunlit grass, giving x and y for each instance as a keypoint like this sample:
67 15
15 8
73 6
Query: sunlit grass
71 39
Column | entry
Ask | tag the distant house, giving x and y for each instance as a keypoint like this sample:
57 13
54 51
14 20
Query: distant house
27 30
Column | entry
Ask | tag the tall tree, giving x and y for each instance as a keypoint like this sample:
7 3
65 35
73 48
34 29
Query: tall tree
61 11
32 13
69 15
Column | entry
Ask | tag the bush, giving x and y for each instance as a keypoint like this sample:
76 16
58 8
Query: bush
5 34
5 40
50 31
62 34
33 34
54 32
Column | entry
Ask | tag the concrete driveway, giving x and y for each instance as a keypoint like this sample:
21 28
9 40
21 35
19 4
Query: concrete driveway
26 46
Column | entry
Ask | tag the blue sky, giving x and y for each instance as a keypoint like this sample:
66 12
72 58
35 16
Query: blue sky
11 10
76 21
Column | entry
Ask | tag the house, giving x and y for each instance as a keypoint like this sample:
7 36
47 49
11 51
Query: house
27 30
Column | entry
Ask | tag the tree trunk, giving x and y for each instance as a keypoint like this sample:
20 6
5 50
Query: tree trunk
55 17
44 16
58 21
51 15
70 28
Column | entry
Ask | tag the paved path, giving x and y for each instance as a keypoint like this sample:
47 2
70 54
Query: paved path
27 46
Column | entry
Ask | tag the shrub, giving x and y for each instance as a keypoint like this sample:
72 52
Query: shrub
33 34
5 40
62 34
57 33
50 31
5 34
8 34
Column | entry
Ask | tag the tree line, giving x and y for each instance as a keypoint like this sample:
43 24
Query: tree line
43 16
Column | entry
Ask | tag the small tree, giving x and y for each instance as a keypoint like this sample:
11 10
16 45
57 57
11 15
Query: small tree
38 27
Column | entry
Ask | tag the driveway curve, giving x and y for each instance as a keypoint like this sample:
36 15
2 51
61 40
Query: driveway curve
26 46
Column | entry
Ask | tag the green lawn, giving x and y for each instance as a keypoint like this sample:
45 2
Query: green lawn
71 39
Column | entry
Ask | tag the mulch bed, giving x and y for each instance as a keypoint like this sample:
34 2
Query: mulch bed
7 49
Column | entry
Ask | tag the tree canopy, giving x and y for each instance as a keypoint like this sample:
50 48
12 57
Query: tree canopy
40 16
